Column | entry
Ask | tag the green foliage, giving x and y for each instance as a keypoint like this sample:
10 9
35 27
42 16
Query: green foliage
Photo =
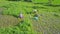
49 2
13 0
21 28
40 1
47 20
56 2
28 0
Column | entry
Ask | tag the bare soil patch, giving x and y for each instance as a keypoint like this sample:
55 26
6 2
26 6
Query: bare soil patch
6 21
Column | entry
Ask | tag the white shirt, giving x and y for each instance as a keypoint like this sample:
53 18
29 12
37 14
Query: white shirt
21 15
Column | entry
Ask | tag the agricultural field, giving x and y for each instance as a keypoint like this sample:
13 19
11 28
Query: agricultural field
47 23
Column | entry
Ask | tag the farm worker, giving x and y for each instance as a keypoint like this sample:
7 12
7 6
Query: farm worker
35 15
21 15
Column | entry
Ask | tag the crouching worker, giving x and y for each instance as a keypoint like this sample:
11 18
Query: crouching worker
35 16
21 15
21 18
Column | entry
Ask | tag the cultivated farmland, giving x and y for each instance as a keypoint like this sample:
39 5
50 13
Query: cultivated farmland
48 21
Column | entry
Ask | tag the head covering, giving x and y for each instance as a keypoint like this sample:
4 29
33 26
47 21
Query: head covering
35 10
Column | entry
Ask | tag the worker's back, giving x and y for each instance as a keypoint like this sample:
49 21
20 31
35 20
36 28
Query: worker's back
21 15
35 14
